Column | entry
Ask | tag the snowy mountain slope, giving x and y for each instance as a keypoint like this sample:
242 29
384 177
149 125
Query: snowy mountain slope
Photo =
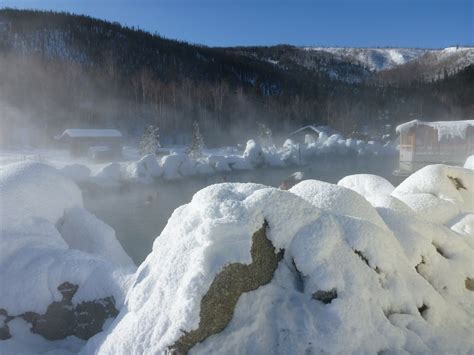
450 60
290 58
428 61
374 58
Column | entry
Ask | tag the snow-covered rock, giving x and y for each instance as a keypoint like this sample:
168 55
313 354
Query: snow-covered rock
32 191
111 171
244 268
83 231
438 192
56 280
469 164
337 199
367 185
203 168
219 163
254 154
171 164
76 172
238 163
188 167
145 170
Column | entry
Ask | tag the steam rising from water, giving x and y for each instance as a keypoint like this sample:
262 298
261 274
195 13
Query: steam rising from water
138 214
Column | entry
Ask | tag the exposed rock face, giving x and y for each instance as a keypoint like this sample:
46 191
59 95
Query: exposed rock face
325 296
63 319
217 306
4 329
469 284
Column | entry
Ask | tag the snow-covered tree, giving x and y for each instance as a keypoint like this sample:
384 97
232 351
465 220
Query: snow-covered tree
150 141
265 134
197 144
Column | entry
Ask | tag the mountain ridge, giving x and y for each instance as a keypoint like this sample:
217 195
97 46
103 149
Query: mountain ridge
62 70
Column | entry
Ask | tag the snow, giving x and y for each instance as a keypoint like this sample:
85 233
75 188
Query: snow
367 185
337 200
375 58
445 129
91 133
188 167
433 194
83 231
399 286
469 164
112 171
32 191
219 163
171 164
145 170
394 261
254 154
46 239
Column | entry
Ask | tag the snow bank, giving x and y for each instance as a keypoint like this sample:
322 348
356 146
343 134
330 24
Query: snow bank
438 192
469 164
31 191
52 249
367 185
244 268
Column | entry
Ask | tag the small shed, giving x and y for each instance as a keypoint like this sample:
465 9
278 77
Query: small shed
83 142
443 142
300 134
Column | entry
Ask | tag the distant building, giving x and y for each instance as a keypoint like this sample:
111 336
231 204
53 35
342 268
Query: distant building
314 132
300 134
424 143
99 144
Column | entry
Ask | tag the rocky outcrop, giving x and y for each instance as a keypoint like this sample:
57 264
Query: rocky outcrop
218 304
63 318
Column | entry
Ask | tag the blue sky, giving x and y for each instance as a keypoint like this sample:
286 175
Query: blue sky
402 23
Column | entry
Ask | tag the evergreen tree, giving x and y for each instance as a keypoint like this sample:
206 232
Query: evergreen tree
264 134
197 144
150 141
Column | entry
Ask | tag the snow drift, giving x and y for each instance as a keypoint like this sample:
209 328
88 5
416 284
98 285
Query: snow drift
244 268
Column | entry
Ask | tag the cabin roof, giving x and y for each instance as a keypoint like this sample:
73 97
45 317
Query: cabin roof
445 129
310 127
90 133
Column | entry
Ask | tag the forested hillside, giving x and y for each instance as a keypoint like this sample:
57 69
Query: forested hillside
60 70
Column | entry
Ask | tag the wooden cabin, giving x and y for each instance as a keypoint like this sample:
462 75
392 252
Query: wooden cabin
89 142
443 142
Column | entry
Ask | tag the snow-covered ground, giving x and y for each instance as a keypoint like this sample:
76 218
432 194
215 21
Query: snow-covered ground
361 266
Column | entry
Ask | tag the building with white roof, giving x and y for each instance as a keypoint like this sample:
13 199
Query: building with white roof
86 142
424 143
